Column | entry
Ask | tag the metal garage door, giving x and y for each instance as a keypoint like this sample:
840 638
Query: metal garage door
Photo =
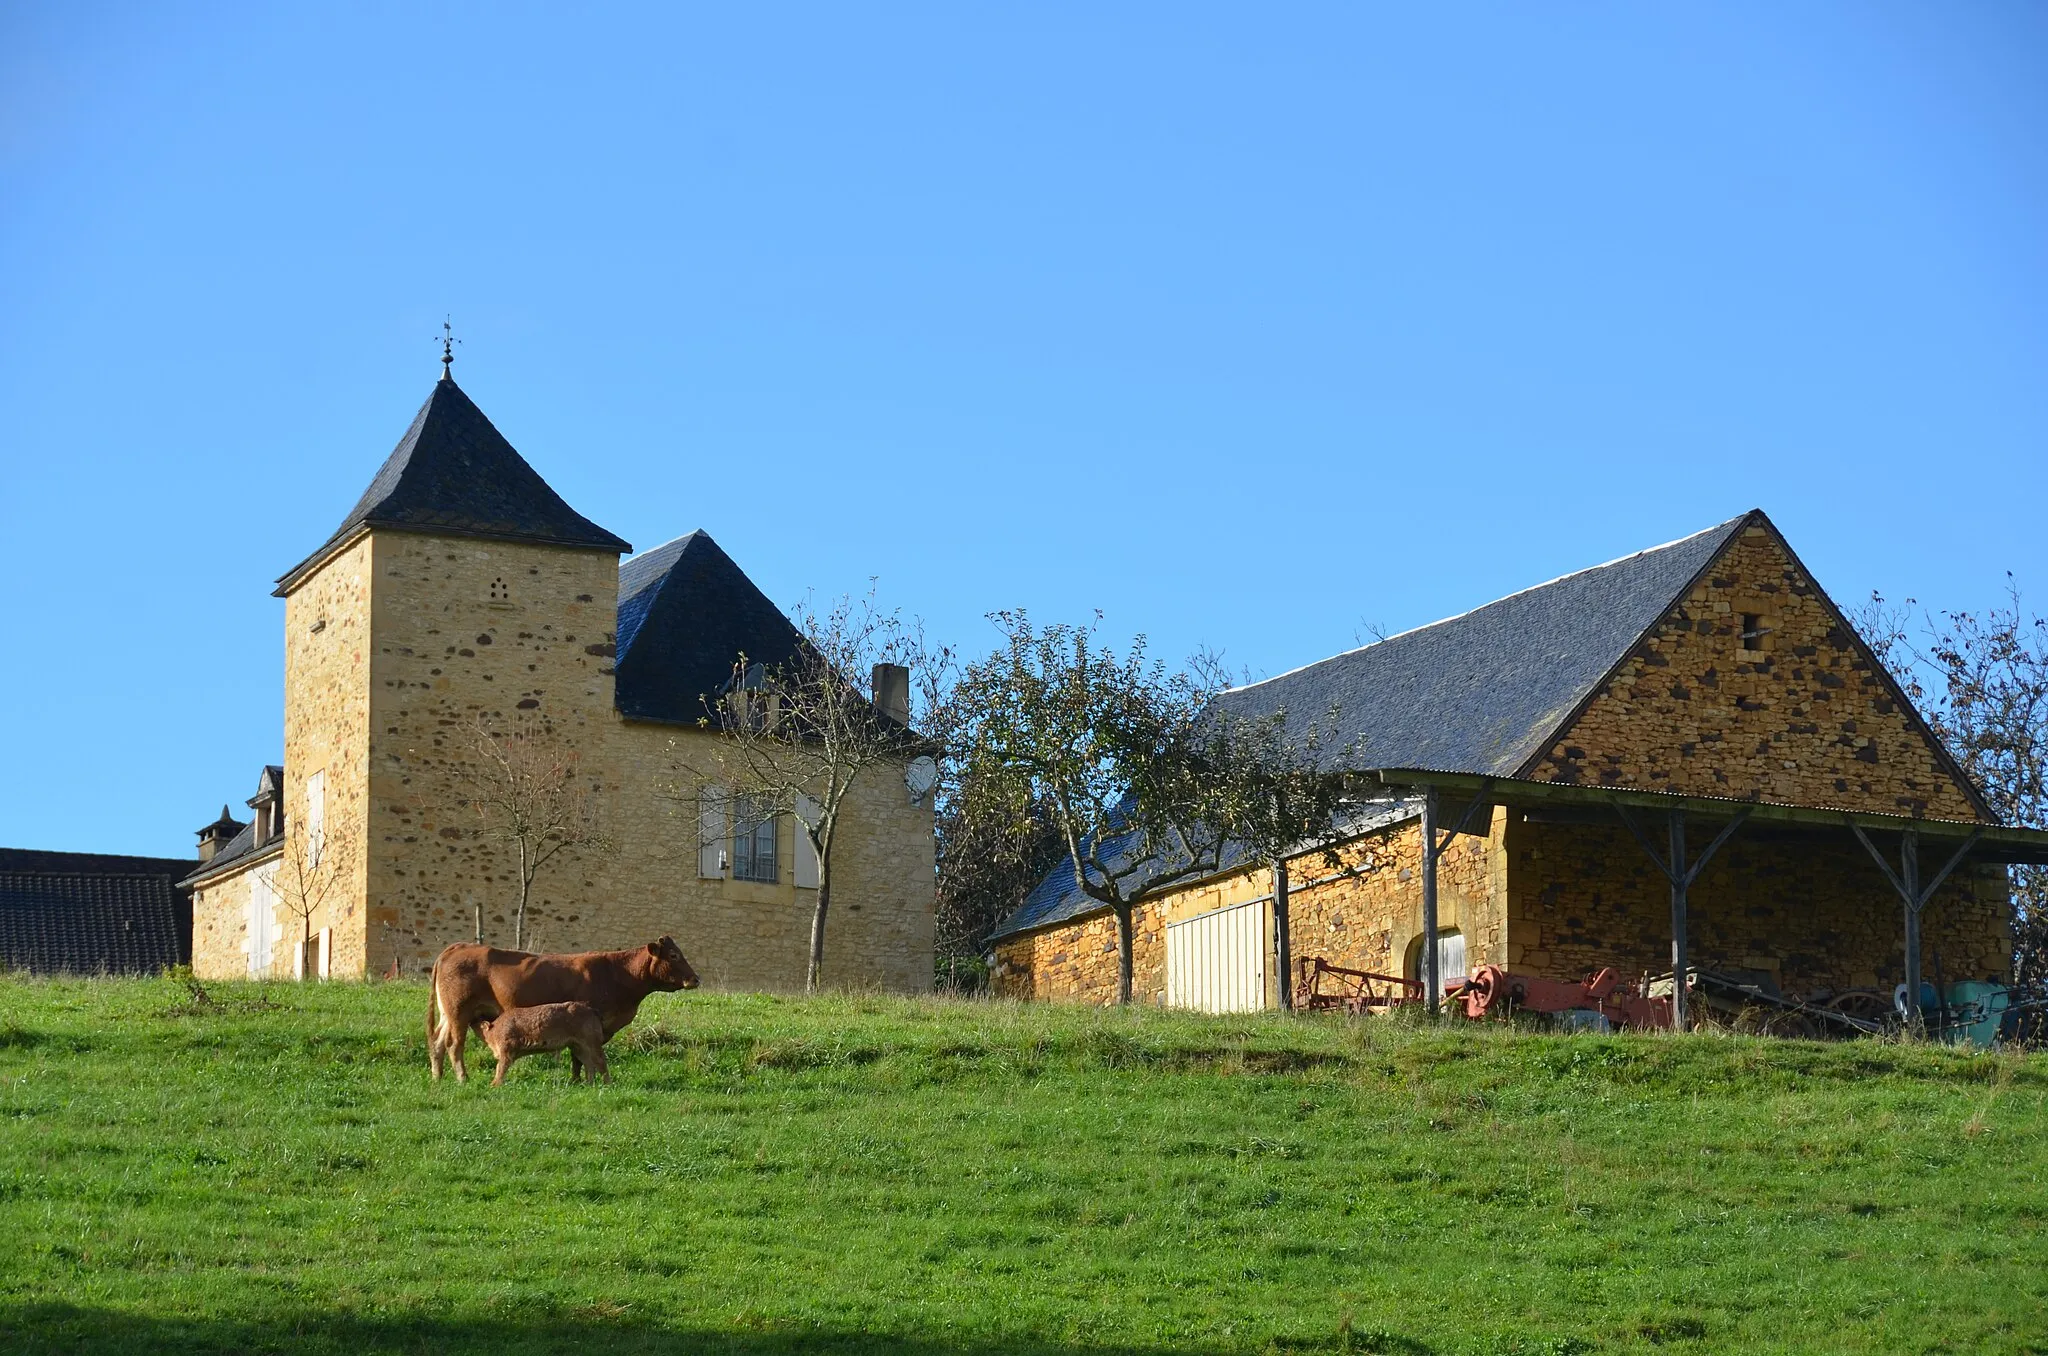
1217 961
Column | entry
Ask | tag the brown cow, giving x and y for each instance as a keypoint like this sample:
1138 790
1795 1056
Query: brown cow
574 1027
473 983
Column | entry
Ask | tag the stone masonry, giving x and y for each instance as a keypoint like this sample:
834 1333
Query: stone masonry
399 648
1795 712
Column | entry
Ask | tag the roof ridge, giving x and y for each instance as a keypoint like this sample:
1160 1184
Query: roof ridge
1505 597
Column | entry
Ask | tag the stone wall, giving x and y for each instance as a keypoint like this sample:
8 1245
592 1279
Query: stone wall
1363 912
1811 909
751 935
327 642
401 648
220 925
471 635
1803 719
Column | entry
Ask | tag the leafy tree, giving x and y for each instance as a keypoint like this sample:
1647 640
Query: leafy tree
1146 781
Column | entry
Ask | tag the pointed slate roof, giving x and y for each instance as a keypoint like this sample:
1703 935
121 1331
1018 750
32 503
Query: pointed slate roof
454 474
686 613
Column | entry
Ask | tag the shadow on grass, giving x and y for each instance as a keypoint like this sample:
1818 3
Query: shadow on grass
35 1329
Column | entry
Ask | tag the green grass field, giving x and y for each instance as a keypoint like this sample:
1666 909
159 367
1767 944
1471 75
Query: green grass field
275 1172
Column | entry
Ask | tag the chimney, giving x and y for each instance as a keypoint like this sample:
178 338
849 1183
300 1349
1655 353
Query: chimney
892 692
215 836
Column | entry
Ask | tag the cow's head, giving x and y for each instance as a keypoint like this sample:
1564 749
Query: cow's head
667 968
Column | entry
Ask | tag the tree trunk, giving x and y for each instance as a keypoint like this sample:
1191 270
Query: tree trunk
525 890
1283 945
1123 954
816 969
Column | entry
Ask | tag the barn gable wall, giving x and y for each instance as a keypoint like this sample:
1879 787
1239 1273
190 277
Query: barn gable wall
1806 718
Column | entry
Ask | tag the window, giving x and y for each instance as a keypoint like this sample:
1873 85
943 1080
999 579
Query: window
753 840
501 592
1753 631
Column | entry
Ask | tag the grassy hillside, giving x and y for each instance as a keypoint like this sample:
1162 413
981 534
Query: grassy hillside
275 1172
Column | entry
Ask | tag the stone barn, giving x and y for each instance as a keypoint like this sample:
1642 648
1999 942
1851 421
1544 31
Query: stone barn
1550 747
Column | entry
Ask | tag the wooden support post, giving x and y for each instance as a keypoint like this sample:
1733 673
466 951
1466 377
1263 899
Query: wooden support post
1680 881
1681 875
1432 978
1906 880
1283 949
1909 873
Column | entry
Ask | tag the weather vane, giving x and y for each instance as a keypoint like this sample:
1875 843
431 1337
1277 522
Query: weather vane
448 343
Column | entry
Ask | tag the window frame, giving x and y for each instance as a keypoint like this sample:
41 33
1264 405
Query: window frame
755 824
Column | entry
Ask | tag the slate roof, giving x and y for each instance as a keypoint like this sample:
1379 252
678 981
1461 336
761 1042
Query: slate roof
686 613
1056 899
89 912
1482 692
453 473
242 845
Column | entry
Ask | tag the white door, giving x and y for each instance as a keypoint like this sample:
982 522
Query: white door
1450 959
1218 961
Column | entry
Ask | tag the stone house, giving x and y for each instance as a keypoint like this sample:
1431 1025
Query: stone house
462 600
1709 679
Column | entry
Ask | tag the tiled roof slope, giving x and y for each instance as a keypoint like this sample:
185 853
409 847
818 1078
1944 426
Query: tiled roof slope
87 913
454 473
1485 691
1482 692
686 614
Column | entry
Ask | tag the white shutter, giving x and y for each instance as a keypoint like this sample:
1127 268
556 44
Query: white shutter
324 940
316 817
807 812
711 844
262 917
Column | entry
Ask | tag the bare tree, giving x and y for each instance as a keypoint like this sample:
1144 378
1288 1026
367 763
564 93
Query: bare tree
1982 681
1148 781
529 794
801 734
315 862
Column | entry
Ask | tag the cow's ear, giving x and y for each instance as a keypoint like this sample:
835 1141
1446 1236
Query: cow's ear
654 948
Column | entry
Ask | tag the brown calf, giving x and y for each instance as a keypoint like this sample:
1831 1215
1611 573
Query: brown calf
475 983
574 1027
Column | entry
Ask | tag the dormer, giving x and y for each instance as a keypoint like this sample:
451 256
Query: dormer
268 803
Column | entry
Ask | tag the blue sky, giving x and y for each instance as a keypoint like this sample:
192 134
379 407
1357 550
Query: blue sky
1251 326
